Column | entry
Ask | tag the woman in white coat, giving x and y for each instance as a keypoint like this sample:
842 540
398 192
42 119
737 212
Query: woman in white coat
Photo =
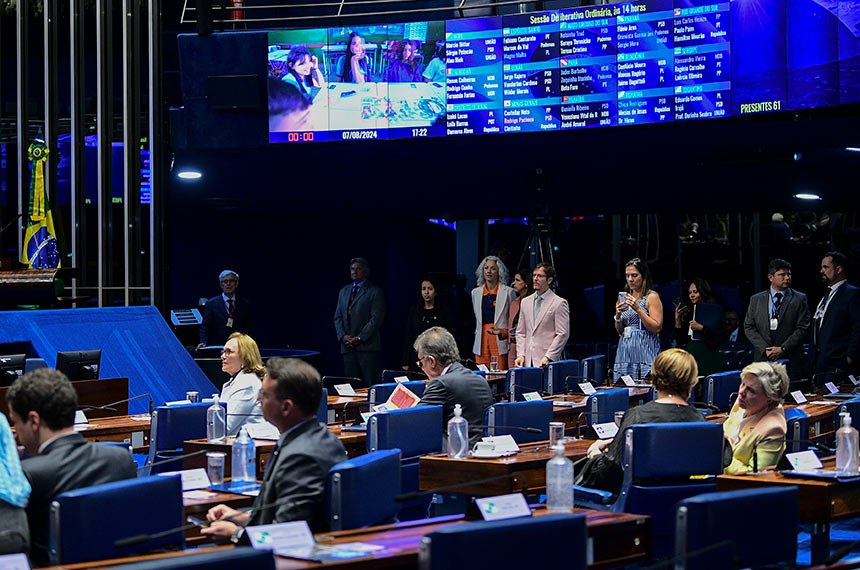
241 359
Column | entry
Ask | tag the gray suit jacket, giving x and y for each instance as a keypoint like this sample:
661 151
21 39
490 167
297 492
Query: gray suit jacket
363 319
791 333
68 463
460 386
297 477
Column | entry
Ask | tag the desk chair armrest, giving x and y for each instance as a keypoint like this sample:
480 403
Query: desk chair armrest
591 498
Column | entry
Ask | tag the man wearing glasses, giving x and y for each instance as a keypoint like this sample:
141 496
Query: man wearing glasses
544 322
225 313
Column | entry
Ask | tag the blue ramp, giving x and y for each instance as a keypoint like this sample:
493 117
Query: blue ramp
135 342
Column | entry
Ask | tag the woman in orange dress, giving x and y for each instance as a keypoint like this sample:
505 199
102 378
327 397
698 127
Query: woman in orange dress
491 302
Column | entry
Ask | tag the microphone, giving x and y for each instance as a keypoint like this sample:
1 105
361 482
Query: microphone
110 408
418 494
411 374
9 225
526 429
172 459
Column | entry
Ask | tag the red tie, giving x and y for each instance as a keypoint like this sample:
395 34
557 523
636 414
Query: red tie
230 308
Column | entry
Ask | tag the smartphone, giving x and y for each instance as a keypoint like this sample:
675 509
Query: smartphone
622 297
197 522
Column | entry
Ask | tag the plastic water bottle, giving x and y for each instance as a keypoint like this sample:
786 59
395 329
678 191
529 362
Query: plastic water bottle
216 422
243 466
458 434
847 449
559 482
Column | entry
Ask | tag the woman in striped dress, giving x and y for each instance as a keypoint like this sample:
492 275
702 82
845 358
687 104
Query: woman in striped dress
638 320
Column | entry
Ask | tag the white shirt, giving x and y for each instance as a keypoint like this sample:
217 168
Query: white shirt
240 395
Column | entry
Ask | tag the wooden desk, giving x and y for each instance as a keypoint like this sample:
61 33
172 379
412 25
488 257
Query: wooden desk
92 393
821 501
528 467
126 429
616 539
355 443
199 508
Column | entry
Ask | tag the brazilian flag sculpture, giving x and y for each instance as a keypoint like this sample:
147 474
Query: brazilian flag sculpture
40 239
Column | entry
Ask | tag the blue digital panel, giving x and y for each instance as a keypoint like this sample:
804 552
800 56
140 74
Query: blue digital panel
813 54
759 59
474 82
531 73
587 67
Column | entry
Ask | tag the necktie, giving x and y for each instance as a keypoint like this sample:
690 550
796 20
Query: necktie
819 315
273 456
538 303
230 308
777 302
352 295
824 300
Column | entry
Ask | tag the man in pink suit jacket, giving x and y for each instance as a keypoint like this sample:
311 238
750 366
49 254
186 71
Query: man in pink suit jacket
542 333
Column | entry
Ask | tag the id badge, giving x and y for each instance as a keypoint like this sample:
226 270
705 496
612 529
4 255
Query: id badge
229 322
819 313
627 332
774 324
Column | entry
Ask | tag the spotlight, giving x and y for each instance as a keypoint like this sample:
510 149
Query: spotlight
807 196
189 174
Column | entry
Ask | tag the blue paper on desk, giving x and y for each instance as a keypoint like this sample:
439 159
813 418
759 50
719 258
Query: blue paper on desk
237 487
826 474
709 316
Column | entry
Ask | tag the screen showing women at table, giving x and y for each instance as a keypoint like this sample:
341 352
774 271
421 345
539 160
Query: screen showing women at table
648 61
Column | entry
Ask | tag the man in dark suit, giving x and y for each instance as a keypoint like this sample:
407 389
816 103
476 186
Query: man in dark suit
836 322
451 383
42 407
226 313
296 471
777 321
357 321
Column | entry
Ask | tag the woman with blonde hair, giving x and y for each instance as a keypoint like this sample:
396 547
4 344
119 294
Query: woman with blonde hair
241 359
756 426
674 374
491 303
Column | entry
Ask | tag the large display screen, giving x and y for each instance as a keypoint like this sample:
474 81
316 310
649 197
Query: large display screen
651 61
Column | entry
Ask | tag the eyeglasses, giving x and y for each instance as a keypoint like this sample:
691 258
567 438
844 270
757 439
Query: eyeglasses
538 276
634 260
227 352
421 359
228 281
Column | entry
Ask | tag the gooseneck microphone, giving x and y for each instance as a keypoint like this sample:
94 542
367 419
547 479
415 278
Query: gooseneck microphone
417 494
526 429
110 407
172 459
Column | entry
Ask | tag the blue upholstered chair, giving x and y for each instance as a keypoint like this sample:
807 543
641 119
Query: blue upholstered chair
720 386
519 381
851 406
601 406
86 522
360 491
737 529
797 423
659 461
322 410
170 427
415 432
502 544
380 393
556 375
594 368
243 557
534 414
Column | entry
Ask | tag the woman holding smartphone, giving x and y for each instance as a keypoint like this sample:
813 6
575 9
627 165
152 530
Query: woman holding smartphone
638 321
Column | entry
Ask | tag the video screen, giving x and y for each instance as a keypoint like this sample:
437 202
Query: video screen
628 63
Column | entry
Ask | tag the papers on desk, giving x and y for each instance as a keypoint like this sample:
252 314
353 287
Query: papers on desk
825 474
345 390
191 478
503 507
177 402
248 488
402 397
141 418
504 444
804 460
14 562
198 495
294 540
81 418
263 430
606 430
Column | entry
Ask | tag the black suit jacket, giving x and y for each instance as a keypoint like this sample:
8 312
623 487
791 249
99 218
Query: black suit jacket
297 477
460 386
66 464
792 330
838 337
363 319
214 330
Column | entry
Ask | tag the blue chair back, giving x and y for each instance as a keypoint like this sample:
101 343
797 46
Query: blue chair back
360 491
243 557
479 544
521 381
171 426
534 414
414 431
720 386
797 423
322 410
594 368
86 522
710 523
601 406
556 374
379 393
658 461
851 406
